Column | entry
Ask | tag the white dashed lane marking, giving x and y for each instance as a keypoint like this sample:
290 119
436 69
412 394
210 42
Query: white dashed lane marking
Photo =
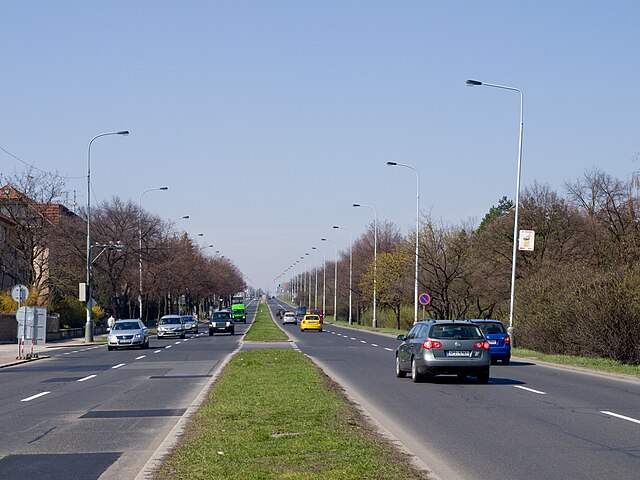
617 415
140 357
530 390
374 345
119 365
157 351
388 349
87 378
28 399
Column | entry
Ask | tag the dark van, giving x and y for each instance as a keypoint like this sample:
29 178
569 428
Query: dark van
301 311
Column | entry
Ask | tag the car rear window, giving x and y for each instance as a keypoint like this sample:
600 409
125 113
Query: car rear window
313 317
492 328
220 315
455 331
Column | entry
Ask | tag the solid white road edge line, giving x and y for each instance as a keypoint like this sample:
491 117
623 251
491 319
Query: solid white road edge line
86 378
629 419
530 390
34 396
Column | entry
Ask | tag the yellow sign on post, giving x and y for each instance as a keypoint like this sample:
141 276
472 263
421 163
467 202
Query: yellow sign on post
526 240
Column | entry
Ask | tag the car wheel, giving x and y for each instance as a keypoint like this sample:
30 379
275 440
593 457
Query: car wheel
462 377
506 361
232 332
210 333
109 347
184 335
483 377
415 375
494 361
399 372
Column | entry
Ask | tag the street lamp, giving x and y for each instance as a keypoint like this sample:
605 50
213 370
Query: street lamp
140 239
415 293
350 269
88 332
473 83
309 284
375 259
335 276
315 300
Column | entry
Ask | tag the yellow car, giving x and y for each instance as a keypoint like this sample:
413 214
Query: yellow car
311 322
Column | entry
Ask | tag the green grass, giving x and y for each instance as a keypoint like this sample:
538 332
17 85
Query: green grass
600 364
274 415
263 329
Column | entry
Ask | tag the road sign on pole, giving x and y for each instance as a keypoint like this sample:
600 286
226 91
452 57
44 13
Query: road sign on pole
19 293
424 299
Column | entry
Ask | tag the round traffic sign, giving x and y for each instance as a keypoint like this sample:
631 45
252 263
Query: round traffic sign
20 293
424 299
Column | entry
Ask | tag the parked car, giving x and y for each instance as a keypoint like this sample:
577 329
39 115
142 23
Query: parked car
128 333
171 326
190 324
311 322
498 338
443 347
221 322
289 317
301 311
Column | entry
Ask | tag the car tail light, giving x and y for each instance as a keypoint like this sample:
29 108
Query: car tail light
484 344
507 340
429 344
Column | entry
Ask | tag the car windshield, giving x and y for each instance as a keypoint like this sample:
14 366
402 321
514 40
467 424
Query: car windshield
165 321
126 326
219 316
492 328
454 331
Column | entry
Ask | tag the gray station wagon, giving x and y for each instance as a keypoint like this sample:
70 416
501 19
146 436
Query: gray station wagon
443 347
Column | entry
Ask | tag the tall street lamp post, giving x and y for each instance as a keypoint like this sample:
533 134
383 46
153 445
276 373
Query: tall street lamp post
415 293
375 259
88 332
350 268
140 240
335 277
474 83
315 299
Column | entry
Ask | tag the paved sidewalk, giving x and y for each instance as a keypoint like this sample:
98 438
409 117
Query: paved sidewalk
9 354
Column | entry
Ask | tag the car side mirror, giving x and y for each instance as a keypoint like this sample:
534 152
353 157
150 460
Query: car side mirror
401 338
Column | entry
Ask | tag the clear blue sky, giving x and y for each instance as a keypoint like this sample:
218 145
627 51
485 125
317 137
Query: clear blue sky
268 119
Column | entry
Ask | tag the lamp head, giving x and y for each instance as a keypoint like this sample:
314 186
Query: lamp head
123 132
185 217
356 204
163 188
473 83
336 226
323 239
392 163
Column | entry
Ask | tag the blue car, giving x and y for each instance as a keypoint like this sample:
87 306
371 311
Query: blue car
498 338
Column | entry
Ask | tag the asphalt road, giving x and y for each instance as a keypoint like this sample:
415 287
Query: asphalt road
530 422
87 412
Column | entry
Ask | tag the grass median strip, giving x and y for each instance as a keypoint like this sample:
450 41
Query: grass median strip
263 329
275 415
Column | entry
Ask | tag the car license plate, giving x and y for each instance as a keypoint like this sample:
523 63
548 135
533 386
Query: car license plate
458 353
125 341
493 342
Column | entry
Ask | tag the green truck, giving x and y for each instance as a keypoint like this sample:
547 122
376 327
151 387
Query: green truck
237 313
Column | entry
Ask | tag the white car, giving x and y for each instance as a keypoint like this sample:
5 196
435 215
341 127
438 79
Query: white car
289 317
128 333
171 326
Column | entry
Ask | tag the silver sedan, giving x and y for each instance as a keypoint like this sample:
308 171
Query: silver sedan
128 333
